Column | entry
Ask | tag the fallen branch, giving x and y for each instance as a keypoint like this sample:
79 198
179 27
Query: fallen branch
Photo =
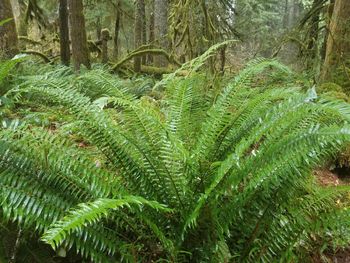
142 52
36 53
30 41
13 258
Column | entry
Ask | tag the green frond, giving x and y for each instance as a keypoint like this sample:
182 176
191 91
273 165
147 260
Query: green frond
230 171
220 113
90 213
6 67
98 83
195 64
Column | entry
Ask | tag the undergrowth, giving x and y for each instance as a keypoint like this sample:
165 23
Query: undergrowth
209 170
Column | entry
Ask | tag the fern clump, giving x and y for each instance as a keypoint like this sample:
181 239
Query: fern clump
194 177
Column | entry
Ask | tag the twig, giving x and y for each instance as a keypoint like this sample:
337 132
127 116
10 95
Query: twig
16 247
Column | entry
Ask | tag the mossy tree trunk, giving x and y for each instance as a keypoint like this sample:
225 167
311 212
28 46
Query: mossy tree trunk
138 33
144 28
329 14
151 30
105 37
313 36
20 15
8 33
64 33
80 51
117 29
337 60
161 29
98 28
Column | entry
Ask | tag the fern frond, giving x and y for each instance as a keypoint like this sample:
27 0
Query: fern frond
230 175
7 66
219 114
195 64
90 213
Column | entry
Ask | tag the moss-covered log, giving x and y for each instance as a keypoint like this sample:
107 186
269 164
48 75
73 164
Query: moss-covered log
142 52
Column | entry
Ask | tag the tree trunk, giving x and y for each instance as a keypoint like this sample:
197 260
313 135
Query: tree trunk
138 33
8 33
64 33
338 44
78 34
313 36
20 18
98 28
105 36
16 12
117 29
286 14
151 31
161 29
328 18
144 28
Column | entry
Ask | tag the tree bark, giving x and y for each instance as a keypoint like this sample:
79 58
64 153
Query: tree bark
138 33
16 12
105 36
117 29
286 14
20 18
151 31
8 33
328 19
144 28
161 29
98 28
338 43
78 34
64 33
313 35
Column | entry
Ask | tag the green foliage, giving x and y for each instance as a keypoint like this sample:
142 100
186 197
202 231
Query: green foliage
91 213
198 176
6 67
3 22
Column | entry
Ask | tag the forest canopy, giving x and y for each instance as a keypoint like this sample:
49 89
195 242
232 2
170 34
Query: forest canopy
174 131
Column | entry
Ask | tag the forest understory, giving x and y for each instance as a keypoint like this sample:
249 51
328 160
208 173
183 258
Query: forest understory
174 131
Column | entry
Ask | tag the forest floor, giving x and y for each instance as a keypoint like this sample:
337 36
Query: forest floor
327 178
336 177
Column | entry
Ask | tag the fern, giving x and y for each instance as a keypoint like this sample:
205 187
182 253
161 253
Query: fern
193 177
7 66
91 213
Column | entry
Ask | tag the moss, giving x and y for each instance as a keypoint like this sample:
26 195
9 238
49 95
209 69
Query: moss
329 87
344 158
341 76
333 90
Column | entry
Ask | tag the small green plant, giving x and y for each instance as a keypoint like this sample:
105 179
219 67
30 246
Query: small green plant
192 178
